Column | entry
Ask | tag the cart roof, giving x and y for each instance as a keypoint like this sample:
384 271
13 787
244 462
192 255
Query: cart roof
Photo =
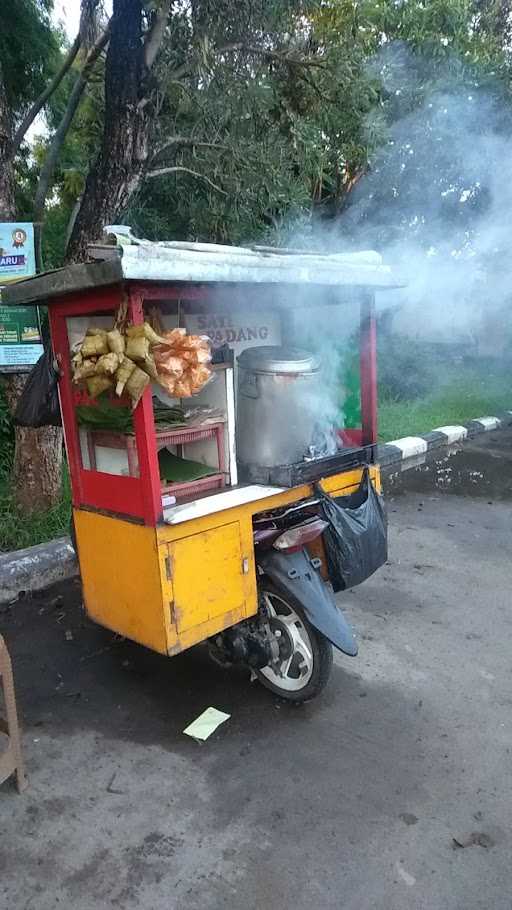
203 263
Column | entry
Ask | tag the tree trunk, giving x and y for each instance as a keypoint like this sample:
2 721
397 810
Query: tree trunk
6 181
38 453
7 206
120 166
129 117
37 474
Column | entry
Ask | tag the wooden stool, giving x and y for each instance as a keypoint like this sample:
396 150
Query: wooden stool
10 759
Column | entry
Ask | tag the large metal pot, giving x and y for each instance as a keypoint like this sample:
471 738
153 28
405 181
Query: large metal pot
278 395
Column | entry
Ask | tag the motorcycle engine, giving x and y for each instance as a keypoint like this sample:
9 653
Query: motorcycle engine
249 643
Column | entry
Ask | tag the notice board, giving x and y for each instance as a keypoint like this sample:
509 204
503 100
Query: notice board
20 334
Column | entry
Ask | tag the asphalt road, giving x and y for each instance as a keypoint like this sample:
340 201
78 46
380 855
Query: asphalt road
356 801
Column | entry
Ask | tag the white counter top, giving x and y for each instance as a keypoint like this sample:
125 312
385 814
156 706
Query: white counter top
228 499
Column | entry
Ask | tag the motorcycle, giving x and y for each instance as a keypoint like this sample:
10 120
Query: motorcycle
288 644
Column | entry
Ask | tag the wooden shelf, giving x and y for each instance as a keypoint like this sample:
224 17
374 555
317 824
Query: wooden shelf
178 436
190 488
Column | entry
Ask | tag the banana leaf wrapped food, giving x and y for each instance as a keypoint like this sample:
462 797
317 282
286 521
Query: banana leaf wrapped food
130 358
136 385
149 367
151 335
144 331
94 345
107 364
137 347
116 342
83 369
123 374
98 384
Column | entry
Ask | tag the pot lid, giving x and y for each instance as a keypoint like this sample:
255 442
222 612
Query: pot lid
268 359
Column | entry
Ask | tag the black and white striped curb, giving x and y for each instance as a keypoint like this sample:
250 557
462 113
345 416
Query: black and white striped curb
36 568
411 451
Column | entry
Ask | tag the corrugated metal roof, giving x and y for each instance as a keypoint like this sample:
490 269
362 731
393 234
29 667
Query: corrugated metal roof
176 262
47 285
156 262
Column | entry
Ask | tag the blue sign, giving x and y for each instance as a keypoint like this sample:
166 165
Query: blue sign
17 255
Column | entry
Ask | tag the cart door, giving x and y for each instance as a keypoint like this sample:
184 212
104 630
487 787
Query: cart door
209 572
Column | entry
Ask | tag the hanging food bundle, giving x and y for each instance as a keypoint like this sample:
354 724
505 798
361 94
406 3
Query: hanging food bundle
182 362
128 359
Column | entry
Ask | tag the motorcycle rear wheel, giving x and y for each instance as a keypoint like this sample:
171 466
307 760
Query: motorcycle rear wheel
306 661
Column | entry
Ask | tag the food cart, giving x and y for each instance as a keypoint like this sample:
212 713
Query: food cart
171 560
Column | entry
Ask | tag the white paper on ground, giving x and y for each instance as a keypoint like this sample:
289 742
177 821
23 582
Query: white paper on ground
204 725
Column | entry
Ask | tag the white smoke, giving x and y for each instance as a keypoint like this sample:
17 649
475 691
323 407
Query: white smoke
436 203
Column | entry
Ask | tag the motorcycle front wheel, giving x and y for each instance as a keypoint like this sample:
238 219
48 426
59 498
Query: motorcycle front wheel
305 654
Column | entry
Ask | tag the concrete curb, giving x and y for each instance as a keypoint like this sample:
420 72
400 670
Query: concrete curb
412 450
35 568
39 567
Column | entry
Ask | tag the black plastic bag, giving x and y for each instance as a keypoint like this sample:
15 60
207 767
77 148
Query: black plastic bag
356 539
38 405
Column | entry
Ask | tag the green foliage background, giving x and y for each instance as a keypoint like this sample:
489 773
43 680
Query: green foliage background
295 130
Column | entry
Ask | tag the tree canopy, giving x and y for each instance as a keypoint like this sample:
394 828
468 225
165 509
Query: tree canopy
267 113
231 120
29 51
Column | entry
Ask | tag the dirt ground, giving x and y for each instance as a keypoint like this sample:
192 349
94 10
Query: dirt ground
392 791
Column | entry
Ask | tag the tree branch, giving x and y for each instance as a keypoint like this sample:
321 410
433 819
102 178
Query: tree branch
314 86
281 56
156 33
186 142
162 171
88 27
45 95
59 136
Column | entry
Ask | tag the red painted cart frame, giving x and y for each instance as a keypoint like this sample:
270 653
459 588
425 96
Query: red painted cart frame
141 497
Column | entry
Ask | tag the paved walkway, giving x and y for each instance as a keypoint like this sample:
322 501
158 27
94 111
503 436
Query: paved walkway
357 801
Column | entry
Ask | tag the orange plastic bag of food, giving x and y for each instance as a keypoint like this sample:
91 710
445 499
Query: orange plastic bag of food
189 358
182 361
174 337
199 376
204 354
195 353
167 363
168 383
183 387
194 342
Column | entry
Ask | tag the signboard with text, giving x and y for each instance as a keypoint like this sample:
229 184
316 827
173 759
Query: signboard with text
20 336
17 255
237 328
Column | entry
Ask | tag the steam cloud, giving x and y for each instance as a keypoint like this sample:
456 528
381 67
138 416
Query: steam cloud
437 205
